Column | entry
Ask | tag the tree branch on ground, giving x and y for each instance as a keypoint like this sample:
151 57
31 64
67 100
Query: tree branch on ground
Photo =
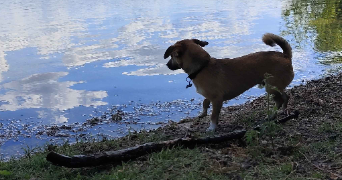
131 153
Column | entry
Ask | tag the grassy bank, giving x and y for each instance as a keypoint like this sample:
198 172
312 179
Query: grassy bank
309 147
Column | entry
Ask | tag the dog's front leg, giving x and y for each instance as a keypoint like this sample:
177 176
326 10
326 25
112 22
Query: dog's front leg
206 104
217 105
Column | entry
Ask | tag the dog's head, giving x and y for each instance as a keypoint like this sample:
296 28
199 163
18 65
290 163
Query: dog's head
187 54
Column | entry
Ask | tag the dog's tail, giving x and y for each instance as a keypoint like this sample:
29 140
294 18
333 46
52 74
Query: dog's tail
272 39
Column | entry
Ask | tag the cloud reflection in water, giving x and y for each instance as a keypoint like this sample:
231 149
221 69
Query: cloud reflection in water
45 91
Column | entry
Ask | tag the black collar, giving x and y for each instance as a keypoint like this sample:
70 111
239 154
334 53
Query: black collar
193 75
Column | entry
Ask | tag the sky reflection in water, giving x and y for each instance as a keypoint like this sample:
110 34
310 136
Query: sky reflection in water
42 41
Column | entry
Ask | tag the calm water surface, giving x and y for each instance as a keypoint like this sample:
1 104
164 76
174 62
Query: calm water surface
63 62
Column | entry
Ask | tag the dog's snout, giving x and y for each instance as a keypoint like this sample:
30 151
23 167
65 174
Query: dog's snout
168 64
171 66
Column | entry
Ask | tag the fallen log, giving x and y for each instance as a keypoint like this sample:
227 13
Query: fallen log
124 155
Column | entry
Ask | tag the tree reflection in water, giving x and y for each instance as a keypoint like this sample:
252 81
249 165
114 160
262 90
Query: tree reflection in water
317 21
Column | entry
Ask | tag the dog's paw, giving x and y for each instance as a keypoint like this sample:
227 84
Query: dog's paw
286 112
212 127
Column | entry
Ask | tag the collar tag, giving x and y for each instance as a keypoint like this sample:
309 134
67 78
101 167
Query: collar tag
189 85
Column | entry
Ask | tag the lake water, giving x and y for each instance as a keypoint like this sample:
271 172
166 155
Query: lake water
64 62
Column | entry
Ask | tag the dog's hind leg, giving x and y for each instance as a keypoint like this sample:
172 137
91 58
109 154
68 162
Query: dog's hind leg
281 100
217 105
278 98
206 104
286 100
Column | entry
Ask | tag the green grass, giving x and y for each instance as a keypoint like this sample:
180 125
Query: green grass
177 163
330 127
169 164
279 171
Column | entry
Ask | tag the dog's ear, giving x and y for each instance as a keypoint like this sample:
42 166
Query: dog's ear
175 49
199 42
169 51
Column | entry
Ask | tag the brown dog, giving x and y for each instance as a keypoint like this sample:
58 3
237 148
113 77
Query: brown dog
219 80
